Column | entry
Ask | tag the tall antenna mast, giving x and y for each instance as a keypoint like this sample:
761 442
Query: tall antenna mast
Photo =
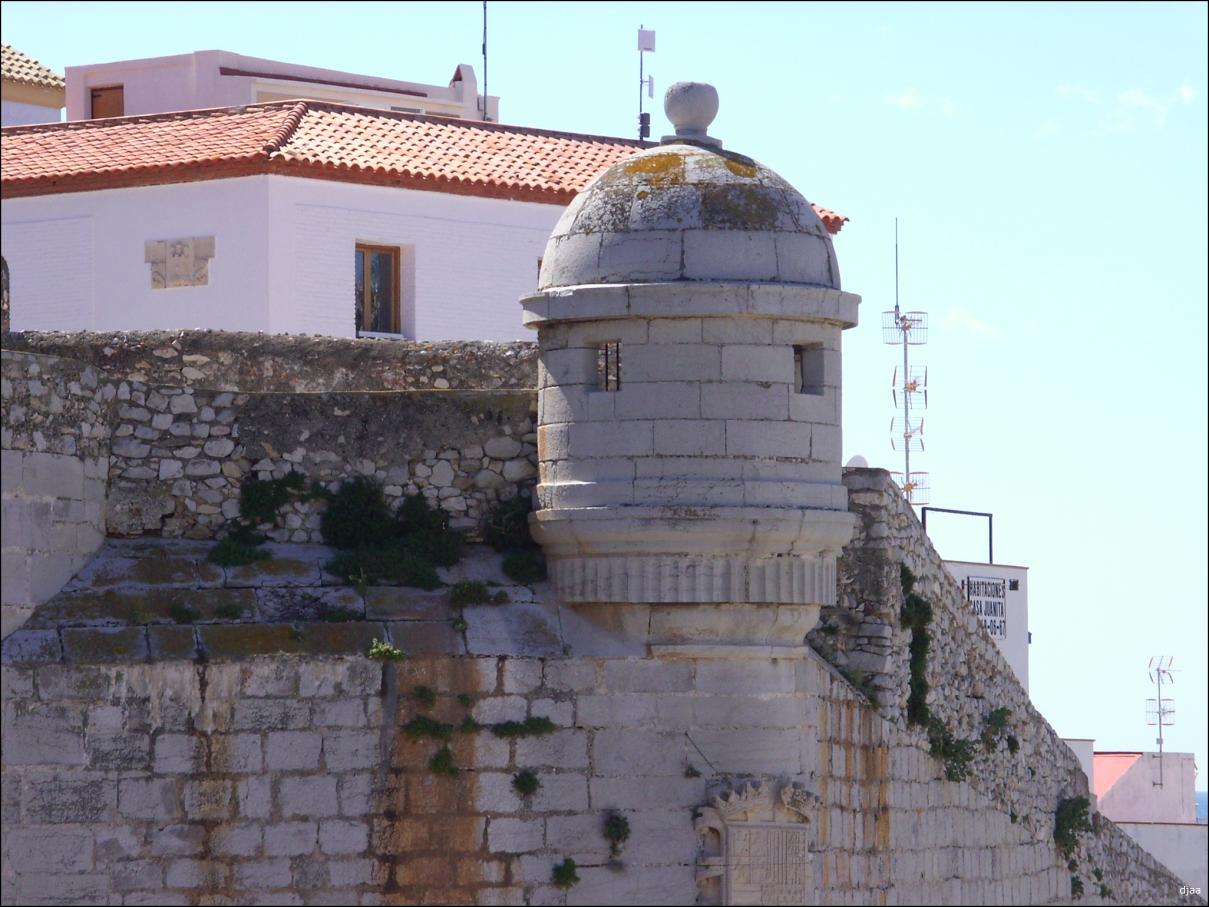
910 394
485 116
646 42
1159 711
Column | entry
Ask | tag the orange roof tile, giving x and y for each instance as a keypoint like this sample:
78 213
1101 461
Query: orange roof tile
312 139
18 67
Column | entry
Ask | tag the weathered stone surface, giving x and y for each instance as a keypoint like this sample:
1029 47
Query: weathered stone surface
105 644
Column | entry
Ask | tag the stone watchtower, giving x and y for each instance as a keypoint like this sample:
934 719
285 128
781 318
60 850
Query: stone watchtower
689 316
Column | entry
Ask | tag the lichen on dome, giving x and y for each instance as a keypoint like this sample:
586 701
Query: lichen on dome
688 210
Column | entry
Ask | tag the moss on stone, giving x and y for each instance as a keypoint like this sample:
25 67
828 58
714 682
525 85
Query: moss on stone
232 641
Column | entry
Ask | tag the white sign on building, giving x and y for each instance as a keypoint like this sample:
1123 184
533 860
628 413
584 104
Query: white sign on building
998 597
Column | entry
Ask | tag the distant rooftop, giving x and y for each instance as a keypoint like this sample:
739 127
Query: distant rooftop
312 139
18 67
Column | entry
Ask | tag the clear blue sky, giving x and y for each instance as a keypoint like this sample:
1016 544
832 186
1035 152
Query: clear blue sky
1048 166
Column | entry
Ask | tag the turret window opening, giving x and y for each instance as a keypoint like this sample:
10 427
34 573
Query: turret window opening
608 366
808 368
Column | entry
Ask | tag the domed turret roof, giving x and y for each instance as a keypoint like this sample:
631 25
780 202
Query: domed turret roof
687 210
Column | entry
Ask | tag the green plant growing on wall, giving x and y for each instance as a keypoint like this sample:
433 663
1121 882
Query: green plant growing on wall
1098 874
464 700
459 624
1076 887
442 763
425 697
184 614
993 727
469 725
863 683
507 528
1105 892
422 727
357 515
526 566
231 552
564 875
427 531
260 499
405 547
475 592
1013 743
1070 820
954 752
384 651
916 617
616 832
368 566
525 783
530 727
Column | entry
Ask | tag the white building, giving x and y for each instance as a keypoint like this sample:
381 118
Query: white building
29 91
219 78
1152 798
287 217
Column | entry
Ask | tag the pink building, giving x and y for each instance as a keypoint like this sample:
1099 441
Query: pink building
219 78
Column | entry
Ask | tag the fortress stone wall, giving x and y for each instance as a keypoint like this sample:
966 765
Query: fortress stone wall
152 434
264 759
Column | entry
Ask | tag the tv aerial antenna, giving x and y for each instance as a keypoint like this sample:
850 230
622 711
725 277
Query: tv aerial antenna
908 390
646 84
1160 712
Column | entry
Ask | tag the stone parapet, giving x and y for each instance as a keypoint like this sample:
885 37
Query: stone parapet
283 363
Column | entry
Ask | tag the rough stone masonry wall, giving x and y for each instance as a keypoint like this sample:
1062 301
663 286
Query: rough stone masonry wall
56 426
287 780
968 677
196 412
153 433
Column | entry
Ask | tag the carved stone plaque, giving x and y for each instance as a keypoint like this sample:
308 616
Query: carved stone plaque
179 262
756 846
766 864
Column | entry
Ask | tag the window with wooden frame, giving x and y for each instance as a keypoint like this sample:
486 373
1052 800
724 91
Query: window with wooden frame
107 101
376 289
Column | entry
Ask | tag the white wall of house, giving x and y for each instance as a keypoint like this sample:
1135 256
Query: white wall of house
1137 795
283 261
76 261
193 81
19 113
474 257
1182 848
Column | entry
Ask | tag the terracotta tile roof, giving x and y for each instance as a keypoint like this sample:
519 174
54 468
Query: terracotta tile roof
17 67
311 139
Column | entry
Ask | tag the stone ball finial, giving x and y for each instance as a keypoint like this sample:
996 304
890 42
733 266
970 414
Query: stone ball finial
691 107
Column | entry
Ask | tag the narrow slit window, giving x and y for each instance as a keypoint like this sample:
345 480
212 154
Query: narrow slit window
808 368
608 366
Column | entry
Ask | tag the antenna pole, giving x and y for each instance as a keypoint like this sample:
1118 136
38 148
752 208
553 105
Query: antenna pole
641 86
907 329
485 116
1160 666
906 370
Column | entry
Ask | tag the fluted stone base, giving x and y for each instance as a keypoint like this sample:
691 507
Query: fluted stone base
660 555
658 579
